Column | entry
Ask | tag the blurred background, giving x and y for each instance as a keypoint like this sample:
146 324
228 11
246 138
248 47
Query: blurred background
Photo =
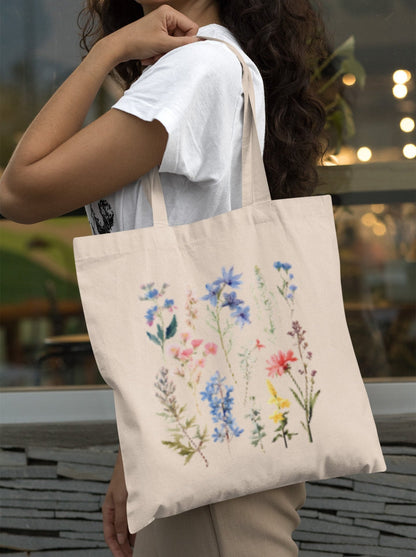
371 177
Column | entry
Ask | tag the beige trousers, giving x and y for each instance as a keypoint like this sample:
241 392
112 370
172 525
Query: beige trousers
258 525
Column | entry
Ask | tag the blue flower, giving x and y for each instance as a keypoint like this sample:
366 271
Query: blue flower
151 294
278 265
212 294
219 434
231 300
292 287
150 315
221 406
229 278
241 315
291 276
168 303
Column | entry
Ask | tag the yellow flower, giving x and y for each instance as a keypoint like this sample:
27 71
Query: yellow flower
284 403
276 417
272 390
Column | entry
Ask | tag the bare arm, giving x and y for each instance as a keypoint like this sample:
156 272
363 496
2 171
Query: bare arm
58 166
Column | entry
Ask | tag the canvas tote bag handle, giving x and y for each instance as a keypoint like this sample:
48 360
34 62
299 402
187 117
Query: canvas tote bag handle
254 181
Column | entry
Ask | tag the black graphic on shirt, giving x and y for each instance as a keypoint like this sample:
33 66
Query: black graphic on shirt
107 215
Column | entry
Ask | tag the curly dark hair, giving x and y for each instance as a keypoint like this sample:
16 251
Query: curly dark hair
286 40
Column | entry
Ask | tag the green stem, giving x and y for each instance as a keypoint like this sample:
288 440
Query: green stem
163 330
227 431
297 385
334 54
330 82
284 437
306 398
217 315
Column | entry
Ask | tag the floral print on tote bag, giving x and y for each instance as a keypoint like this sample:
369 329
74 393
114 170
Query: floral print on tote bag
191 361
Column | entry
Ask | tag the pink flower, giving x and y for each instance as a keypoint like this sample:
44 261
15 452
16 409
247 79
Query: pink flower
279 363
196 342
201 362
174 350
186 353
185 337
211 347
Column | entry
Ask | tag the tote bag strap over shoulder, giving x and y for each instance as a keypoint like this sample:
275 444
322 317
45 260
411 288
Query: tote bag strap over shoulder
254 181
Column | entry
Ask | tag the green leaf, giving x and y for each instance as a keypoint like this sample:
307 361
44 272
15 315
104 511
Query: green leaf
297 398
315 396
160 332
171 330
153 338
190 422
346 49
188 458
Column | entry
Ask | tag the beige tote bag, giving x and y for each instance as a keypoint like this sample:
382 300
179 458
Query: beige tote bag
226 346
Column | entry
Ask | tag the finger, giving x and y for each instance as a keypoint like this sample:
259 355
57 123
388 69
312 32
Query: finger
121 528
110 533
175 42
177 20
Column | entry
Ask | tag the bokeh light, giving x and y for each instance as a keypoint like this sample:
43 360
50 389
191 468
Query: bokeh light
409 151
349 79
378 208
407 124
400 91
368 219
401 76
364 154
379 229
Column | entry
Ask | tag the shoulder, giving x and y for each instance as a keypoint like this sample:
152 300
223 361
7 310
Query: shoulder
209 61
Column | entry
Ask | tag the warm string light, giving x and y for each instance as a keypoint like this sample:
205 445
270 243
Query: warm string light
409 151
401 76
349 79
407 124
400 91
364 154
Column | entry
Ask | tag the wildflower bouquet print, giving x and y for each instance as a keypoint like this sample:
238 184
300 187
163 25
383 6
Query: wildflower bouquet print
192 380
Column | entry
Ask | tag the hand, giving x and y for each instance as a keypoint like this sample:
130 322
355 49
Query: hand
116 533
151 36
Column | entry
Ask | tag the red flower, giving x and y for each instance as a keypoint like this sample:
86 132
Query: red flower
279 363
258 345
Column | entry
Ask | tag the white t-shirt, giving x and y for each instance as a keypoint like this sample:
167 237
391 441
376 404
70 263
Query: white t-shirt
195 91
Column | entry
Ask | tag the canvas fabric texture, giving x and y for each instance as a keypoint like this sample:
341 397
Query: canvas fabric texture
226 345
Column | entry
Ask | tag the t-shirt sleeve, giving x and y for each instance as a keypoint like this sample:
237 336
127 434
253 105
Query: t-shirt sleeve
194 91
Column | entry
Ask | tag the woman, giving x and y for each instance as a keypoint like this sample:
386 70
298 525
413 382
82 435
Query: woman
185 115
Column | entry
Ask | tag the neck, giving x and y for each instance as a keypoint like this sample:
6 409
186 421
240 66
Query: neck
202 12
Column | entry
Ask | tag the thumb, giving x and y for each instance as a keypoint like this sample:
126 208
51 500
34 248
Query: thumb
175 42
